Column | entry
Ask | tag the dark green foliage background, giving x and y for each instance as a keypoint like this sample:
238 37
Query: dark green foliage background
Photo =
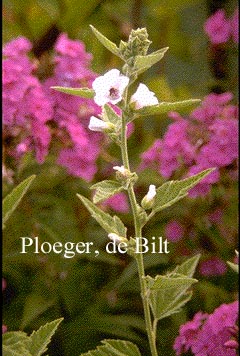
99 297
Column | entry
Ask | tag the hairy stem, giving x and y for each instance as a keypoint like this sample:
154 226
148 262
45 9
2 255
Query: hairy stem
138 233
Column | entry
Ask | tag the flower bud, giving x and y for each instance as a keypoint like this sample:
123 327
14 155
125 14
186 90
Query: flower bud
116 238
148 200
122 170
98 125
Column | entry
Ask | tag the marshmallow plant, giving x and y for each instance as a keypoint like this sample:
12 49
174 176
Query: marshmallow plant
162 295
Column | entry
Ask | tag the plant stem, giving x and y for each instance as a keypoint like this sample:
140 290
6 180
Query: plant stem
138 233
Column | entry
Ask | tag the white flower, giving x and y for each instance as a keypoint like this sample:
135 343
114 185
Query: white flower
114 237
148 200
109 88
143 97
98 125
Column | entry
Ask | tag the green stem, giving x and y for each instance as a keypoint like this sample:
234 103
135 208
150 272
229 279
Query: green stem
138 233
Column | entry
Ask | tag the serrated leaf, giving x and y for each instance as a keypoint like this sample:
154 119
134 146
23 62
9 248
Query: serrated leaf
142 63
171 192
11 201
167 294
177 305
105 190
12 337
105 41
114 348
188 267
165 107
82 92
40 339
19 351
234 266
110 115
107 222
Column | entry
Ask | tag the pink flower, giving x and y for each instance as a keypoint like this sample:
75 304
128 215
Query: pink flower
118 202
71 48
17 47
212 267
235 26
218 27
109 88
210 335
174 231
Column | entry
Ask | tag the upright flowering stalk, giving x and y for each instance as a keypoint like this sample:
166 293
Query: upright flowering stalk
163 295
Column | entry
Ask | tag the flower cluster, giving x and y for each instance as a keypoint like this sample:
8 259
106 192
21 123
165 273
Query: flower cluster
220 29
210 335
71 113
34 114
4 285
26 108
207 138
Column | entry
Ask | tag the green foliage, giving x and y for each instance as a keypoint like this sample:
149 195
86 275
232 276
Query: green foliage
169 293
40 339
188 267
12 200
142 63
107 222
105 190
115 348
106 42
82 92
173 191
17 343
163 107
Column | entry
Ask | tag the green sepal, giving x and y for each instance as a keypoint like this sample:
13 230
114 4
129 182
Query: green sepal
82 92
165 107
106 42
105 190
107 222
11 201
171 192
114 348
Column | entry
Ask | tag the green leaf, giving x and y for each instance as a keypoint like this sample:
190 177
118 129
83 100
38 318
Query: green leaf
114 348
167 294
34 306
165 107
12 337
40 339
11 201
142 63
234 266
105 190
106 42
82 92
171 192
188 267
107 222
18 349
